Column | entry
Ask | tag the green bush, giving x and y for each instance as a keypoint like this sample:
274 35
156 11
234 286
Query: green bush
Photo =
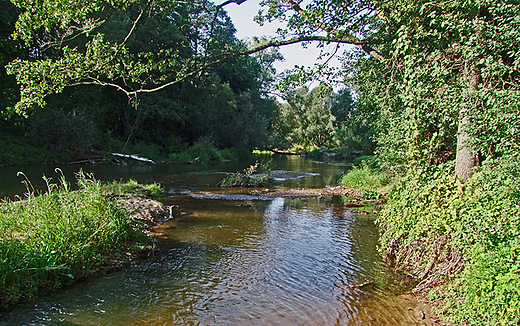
58 131
368 159
155 190
371 194
489 229
365 177
15 149
482 219
203 152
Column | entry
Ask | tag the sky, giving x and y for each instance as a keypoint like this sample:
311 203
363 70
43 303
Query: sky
242 17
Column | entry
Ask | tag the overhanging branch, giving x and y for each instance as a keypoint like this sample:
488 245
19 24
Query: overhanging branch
339 36
275 43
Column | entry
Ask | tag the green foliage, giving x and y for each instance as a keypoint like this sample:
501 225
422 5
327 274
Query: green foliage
365 177
355 123
106 63
50 239
489 229
203 152
155 190
369 159
15 148
323 154
60 132
9 50
306 118
120 188
371 194
481 218
418 204
256 175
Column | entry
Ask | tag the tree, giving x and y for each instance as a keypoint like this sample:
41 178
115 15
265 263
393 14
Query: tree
444 61
464 45
305 118
169 118
9 50
354 122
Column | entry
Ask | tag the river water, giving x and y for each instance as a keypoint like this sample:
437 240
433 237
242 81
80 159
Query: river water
237 260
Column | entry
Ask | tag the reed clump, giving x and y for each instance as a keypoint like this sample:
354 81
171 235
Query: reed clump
54 238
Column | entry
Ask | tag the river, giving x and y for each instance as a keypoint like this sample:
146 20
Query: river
235 260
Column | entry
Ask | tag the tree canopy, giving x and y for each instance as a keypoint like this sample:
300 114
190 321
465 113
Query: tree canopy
440 67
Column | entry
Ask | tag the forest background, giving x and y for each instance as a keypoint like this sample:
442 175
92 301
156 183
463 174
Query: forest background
437 97
222 112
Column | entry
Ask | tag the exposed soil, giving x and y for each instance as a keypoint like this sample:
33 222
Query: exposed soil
420 311
147 213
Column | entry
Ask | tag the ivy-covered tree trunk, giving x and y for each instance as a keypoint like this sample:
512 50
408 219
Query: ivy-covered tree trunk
465 158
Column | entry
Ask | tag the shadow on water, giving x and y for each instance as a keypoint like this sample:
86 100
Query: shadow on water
232 260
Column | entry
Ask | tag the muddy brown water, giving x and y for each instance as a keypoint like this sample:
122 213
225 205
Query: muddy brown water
233 259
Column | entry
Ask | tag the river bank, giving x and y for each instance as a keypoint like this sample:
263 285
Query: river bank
195 211
54 239
146 214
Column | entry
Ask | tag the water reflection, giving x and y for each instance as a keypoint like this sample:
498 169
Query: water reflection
233 259
278 262
174 177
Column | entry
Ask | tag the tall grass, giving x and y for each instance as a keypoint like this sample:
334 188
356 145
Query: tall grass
366 177
50 239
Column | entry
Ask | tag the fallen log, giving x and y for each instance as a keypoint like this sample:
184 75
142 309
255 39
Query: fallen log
135 157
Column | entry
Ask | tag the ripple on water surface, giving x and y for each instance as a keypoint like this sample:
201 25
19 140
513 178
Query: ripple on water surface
278 262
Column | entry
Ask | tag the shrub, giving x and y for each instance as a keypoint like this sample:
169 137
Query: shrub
64 132
155 190
203 152
488 227
480 218
365 177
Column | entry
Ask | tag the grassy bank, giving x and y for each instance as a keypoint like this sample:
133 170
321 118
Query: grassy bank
461 242
53 239
367 176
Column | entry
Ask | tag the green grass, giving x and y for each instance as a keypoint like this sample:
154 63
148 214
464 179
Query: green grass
365 177
52 239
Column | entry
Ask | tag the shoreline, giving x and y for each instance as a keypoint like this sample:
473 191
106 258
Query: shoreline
146 214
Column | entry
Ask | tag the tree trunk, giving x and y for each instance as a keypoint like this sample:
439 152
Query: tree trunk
465 159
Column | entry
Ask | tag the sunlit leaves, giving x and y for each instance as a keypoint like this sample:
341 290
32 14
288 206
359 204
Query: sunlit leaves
306 118
59 14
